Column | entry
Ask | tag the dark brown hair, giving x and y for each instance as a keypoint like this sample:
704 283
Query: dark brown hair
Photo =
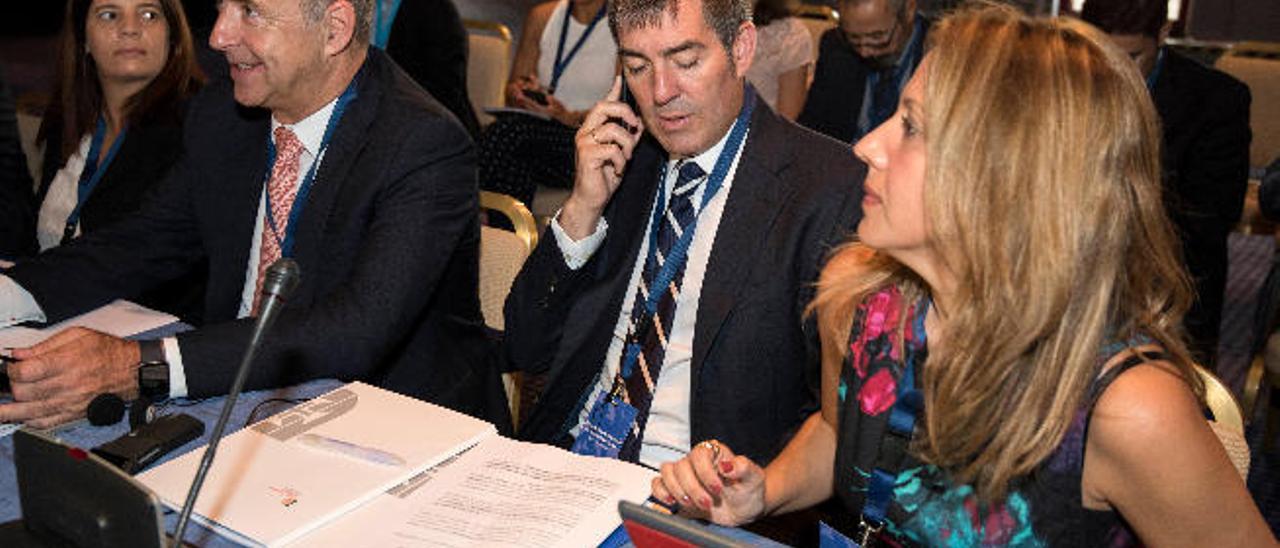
768 11
76 100
1144 17
723 16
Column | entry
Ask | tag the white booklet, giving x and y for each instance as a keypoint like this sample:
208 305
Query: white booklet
502 492
279 478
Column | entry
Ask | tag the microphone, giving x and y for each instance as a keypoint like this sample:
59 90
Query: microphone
279 282
105 409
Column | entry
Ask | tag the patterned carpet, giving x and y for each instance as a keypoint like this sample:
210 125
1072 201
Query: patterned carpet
1251 258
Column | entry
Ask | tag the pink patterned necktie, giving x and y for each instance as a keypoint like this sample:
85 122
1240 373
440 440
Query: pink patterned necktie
282 187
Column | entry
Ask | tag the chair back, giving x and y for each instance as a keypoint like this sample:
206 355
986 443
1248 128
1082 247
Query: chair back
488 64
502 253
1228 421
1260 70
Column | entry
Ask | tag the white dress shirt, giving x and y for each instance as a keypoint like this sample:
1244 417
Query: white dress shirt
17 305
666 434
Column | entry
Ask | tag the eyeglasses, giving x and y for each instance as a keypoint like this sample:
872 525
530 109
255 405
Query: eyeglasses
876 40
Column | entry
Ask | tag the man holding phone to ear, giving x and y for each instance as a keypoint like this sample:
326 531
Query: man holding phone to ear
709 195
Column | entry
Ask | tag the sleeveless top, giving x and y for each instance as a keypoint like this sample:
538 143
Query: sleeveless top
1041 509
589 75
781 46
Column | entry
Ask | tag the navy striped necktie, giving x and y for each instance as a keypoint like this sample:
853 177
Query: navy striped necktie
653 333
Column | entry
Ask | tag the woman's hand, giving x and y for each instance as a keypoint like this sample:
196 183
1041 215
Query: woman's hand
714 484
516 92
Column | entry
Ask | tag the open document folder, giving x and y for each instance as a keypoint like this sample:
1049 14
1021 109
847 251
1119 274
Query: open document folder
351 468
272 482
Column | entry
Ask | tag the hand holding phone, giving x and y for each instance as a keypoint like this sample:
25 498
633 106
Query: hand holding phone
535 95
604 143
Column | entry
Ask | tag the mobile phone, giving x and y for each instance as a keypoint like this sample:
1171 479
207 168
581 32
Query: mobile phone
624 95
535 95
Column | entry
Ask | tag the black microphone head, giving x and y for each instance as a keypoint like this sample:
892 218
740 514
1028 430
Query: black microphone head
105 410
281 278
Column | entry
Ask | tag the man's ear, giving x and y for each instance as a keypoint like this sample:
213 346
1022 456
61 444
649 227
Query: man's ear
340 26
744 48
1164 33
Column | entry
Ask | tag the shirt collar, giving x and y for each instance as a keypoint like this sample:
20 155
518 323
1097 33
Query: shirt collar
310 130
707 159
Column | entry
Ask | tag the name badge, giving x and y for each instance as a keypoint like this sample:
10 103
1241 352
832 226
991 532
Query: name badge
607 427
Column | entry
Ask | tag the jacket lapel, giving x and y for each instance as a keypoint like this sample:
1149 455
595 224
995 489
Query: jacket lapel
754 201
338 160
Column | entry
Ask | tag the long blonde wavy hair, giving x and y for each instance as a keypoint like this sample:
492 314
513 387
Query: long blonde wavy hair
1043 197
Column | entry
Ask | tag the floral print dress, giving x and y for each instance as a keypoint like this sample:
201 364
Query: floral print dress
927 508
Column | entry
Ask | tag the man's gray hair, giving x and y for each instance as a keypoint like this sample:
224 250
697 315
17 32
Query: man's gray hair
723 16
314 12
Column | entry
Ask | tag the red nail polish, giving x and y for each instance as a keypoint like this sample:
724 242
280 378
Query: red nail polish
705 504
715 489
726 466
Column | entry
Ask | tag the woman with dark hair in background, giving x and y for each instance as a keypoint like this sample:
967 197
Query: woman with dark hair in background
113 127
784 56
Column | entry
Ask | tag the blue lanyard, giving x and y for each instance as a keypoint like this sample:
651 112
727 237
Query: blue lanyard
92 173
902 422
1155 71
561 60
300 201
679 252
382 21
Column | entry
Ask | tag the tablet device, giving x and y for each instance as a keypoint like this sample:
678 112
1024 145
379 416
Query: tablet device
649 528
70 497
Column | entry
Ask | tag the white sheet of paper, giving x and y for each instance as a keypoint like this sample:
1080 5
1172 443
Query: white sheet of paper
120 318
500 492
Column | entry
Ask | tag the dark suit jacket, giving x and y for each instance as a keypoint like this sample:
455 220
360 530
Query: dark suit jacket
1205 116
17 207
429 42
387 245
755 372
839 83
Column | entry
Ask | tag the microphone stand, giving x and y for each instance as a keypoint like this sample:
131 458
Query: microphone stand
280 280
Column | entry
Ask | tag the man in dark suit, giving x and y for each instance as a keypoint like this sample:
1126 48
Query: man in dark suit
758 203
383 225
1205 163
863 64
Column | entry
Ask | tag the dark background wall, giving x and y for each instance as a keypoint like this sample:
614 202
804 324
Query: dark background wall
27 45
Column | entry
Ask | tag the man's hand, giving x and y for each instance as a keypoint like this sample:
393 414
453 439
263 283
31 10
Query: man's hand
54 381
603 148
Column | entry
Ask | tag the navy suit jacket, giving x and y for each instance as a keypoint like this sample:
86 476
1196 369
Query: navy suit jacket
755 369
387 245
1205 117
839 85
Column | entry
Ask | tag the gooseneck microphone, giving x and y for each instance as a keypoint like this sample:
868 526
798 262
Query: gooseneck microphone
278 283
